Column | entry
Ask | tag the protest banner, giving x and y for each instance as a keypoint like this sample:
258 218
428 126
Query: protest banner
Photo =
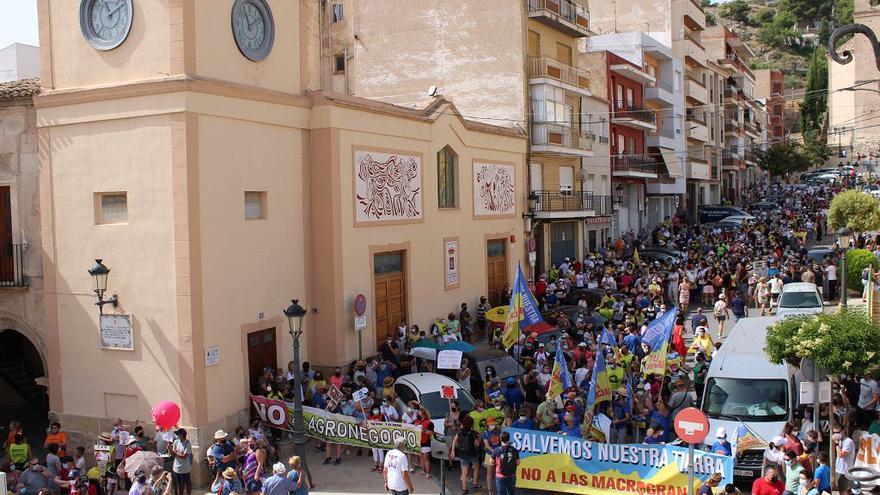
338 428
559 463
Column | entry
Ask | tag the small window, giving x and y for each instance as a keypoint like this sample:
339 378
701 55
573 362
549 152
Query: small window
111 207
254 205
339 64
447 162
338 14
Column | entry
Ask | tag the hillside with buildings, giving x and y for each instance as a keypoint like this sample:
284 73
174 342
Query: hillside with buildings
781 33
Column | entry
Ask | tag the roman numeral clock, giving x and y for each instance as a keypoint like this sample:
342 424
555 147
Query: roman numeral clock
253 28
105 23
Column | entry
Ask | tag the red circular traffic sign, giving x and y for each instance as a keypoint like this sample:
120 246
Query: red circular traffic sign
360 304
691 425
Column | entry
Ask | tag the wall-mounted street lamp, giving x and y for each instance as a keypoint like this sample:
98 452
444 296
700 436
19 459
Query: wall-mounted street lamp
844 235
618 194
846 56
529 215
100 273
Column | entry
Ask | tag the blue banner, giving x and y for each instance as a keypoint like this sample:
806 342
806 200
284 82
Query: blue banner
660 329
560 463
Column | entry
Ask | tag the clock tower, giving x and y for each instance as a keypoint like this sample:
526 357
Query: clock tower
171 142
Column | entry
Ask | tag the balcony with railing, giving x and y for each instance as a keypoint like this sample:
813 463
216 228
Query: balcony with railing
546 69
632 115
695 90
572 17
661 92
634 166
12 265
583 202
694 17
694 52
732 162
750 157
753 128
556 138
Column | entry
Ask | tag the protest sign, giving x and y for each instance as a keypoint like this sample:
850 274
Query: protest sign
448 392
449 360
868 458
559 463
338 428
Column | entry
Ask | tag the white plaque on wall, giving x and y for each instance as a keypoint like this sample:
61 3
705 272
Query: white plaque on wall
450 261
116 332
212 356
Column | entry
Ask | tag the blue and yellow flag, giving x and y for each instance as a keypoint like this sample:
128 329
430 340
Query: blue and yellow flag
657 338
607 338
600 387
523 311
744 439
560 377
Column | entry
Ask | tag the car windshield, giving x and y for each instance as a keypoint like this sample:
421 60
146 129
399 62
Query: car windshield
439 407
799 300
505 366
746 399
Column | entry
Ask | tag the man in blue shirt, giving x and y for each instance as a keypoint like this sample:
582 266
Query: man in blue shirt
721 445
524 422
738 307
697 319
512 394
223 452
632 340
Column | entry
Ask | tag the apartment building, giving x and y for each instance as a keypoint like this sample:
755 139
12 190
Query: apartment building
743 113
716 82
852 130
216 188
680 25
770 89
513 63
662 94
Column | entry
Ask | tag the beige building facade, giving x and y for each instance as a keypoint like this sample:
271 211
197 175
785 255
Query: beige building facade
217 188
23 346
851 130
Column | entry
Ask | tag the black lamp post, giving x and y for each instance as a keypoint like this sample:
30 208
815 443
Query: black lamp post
295 314
843 237
100 273
846 56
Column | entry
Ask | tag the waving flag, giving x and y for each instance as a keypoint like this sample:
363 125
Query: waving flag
630 404
523 311
657 338
607 338
600 388
744 439
560 377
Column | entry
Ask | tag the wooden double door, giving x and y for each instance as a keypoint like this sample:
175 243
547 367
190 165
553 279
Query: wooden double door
389 290
496 271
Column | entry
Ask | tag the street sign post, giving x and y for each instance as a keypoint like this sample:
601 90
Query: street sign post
360 321
692 426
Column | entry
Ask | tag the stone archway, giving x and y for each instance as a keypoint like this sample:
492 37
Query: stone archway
23 393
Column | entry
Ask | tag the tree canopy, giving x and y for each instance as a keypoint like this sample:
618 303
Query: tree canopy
788 157
812 109
735 10
856 210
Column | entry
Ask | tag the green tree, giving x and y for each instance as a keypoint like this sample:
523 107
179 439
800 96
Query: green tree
735 10
842 343
856 261
807 9
711 20
855 210
705 3
783 158
765 16
814 149
812 109
843 12
780 30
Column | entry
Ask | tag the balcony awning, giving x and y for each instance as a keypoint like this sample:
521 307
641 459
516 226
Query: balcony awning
672 162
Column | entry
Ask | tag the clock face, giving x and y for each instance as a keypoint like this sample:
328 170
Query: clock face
253 28
105 23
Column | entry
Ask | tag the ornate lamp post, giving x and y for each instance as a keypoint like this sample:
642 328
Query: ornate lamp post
100 273
295 314
846 56
843 237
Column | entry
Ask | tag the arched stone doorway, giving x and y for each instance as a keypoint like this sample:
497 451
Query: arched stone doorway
22 397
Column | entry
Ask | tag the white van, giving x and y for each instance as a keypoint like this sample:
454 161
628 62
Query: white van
743 386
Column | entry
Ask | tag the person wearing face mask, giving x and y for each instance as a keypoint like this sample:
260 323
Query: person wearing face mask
769 483
140 483
409 417
523 421
844 454
390 350
423 419
378 454
490 439
336 379
793 470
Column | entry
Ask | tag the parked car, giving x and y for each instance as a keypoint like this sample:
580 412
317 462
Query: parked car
764 205
425 388
665 249
799 298
723 226
594 296
715 213
818 254
482 356
660 256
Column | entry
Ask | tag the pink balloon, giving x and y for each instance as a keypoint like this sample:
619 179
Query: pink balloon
166 414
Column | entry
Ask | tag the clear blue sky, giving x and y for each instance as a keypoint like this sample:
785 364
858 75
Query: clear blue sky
18 22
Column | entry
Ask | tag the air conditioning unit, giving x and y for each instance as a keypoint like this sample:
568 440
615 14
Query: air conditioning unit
566 190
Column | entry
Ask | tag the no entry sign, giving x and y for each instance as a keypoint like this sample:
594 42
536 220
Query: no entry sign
691 425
